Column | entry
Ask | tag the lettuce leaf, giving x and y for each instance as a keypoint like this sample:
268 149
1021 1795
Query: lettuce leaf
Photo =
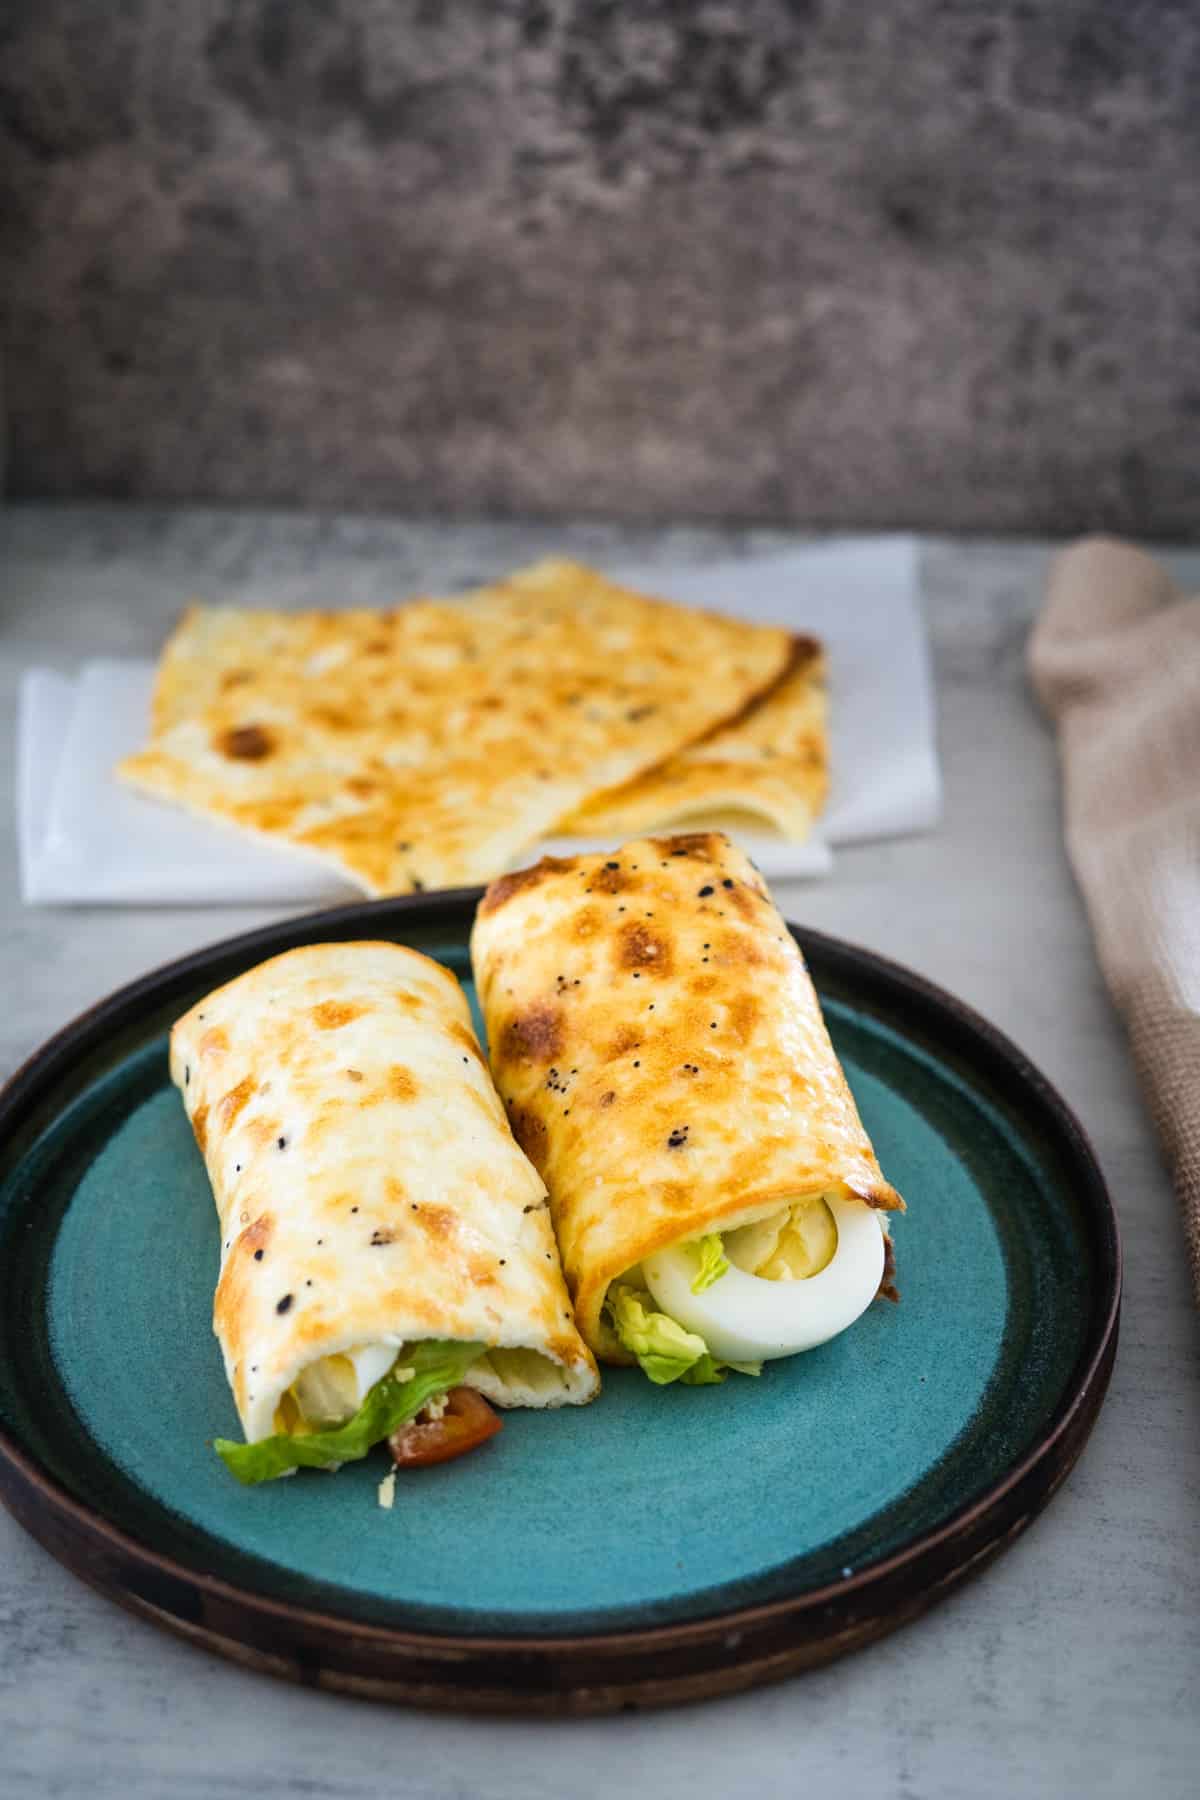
663 1348
713 1262
437 1366
754 1368
708 1372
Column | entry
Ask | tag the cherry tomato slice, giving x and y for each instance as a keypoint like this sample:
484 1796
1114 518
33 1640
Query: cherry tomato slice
467 1422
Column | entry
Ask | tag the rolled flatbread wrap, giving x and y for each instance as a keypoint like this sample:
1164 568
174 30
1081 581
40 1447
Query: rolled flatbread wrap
660 1049
380 1229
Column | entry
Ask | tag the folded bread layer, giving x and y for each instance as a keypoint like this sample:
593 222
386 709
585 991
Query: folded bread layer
661 1052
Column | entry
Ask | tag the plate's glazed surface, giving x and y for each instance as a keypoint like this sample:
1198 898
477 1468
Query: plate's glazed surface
656 1545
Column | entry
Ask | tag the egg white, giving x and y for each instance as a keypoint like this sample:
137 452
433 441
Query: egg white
744 1318
332 1389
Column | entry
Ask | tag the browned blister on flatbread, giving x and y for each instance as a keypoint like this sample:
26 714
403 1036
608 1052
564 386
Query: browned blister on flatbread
429 745
658 1044
368 1187
771 765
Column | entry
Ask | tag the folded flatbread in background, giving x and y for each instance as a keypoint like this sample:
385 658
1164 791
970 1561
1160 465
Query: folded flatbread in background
771 763
428 746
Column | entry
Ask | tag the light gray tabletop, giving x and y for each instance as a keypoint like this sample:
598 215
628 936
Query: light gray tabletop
1070 1666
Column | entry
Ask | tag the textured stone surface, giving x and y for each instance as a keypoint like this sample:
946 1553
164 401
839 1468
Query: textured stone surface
929 263
1068 1669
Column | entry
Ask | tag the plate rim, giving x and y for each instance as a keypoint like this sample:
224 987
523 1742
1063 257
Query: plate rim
565 1672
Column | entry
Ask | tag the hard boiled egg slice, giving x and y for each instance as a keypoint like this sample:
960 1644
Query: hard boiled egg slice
744 1318
333 1388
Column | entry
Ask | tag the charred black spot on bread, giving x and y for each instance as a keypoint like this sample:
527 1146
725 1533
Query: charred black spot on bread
282 1306
535 1035
706 846
529 1129
640 947
246 743
744 900
611 879
503 890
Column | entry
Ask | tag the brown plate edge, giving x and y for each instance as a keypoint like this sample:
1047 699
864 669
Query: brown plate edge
568 1676
549 1677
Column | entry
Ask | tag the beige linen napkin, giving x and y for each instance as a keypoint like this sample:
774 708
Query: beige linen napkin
1115 660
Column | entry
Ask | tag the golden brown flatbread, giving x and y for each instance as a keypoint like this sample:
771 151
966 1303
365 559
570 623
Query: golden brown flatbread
656 1039
368 1187
429 745
771 762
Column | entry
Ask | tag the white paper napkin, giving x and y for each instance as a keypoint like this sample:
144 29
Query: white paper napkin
84 838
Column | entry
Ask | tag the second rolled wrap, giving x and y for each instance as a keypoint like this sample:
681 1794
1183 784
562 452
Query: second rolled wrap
370 1196
660 1050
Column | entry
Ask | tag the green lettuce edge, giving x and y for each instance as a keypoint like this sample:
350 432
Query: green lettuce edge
437 1366
665 1350
713 1262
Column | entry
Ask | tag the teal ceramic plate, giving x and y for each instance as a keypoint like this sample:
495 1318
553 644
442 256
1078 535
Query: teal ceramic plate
660 1544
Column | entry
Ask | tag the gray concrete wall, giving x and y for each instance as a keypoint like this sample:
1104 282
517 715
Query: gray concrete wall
920 262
